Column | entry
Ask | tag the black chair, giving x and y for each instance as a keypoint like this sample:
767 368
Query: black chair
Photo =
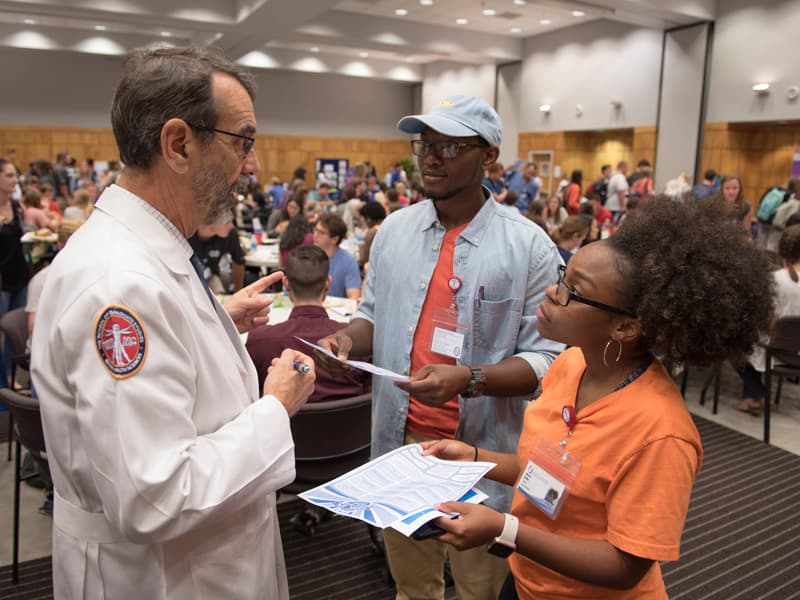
331 437
28 433
14 325
782 359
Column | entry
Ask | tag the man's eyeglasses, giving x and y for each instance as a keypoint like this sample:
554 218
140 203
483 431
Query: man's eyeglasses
441 149
564 294
247 144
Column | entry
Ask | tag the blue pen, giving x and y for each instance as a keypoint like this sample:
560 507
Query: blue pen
301 367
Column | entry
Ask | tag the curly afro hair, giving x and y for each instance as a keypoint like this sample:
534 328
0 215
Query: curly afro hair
700 289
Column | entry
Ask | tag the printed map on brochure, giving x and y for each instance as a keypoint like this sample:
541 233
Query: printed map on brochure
357 364
399 489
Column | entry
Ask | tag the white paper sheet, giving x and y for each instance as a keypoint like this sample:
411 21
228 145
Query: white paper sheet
399 489
357 364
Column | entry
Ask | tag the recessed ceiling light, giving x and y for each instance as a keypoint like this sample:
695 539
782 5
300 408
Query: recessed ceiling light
409 59
489 12
401 12
364 54
426 2
461 21
761 87
516 30
29 21
578 13
314 49
100 27
519 2
166 34
545 21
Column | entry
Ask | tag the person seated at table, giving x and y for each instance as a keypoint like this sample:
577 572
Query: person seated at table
279 219
787 304
373 214
81 205
35 217
218 248
307 281
570 235
49 199
298 233
329 232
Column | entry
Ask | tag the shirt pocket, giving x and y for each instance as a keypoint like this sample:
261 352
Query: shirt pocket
496 325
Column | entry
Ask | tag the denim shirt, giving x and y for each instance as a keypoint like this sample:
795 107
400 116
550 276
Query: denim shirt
507 256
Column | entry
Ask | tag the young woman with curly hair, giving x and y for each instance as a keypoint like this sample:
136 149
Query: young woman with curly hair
609 452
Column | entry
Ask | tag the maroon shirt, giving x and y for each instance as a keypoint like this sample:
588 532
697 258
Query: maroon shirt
310 323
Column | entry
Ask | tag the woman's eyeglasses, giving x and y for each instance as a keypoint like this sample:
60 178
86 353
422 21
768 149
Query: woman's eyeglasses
564 294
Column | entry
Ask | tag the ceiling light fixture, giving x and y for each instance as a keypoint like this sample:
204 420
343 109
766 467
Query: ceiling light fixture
401 12
426 2
461 21
519 2
314 49
364 54
29 21
166 34
516 30
545 22
578 13
100 27
761 88
489 12
545 108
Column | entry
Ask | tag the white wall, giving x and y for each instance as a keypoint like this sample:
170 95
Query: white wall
590 65
754 42
681 103
443 79
509 81
75 90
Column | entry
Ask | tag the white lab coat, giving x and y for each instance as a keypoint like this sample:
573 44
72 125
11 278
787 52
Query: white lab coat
164 480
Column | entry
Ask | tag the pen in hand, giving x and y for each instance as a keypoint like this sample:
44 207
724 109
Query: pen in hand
300 366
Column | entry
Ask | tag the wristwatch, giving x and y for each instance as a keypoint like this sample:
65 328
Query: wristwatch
505 543
476 386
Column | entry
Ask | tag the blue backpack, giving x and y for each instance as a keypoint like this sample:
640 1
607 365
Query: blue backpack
770 201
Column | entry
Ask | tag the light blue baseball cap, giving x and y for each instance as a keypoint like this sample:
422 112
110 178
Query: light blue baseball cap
458 116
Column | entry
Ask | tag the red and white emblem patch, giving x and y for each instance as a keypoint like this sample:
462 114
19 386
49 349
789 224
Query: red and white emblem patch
121 341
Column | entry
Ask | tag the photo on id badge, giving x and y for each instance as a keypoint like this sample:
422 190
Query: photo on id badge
548 477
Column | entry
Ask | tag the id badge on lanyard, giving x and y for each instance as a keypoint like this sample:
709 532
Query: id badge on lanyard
551 471
448 334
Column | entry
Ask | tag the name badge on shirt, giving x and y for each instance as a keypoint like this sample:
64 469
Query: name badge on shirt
548 477
448 333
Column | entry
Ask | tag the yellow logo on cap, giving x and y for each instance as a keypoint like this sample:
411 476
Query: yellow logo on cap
446 103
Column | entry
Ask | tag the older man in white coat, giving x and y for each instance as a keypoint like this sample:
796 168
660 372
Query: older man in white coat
165 455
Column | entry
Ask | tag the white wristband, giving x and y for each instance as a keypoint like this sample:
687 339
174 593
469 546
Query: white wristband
510 529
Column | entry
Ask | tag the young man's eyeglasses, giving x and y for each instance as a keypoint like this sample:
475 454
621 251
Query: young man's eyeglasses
441 149
247 144
564 294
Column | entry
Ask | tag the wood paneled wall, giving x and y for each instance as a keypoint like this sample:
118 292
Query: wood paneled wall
278 155
760 153
590 150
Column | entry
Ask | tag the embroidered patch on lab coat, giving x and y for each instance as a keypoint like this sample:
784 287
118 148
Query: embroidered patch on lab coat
121 341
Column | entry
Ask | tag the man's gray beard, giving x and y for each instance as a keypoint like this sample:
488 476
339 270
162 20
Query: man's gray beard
208 188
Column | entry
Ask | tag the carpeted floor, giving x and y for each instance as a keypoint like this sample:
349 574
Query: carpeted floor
740 541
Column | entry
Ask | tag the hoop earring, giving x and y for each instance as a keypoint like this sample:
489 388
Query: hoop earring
605 350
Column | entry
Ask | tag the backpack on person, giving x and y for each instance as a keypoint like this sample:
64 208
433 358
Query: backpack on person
770 201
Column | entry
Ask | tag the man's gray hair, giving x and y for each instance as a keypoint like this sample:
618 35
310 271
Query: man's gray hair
165 83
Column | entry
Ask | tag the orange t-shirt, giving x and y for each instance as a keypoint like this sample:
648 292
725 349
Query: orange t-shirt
434 421
640 453
572 198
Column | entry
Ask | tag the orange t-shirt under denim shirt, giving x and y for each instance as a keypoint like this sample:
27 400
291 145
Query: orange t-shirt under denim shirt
434 421
640 453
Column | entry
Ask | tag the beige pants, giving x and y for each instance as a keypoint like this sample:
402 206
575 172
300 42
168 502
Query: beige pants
417 566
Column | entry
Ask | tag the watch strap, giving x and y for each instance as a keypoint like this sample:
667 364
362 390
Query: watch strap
510 529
